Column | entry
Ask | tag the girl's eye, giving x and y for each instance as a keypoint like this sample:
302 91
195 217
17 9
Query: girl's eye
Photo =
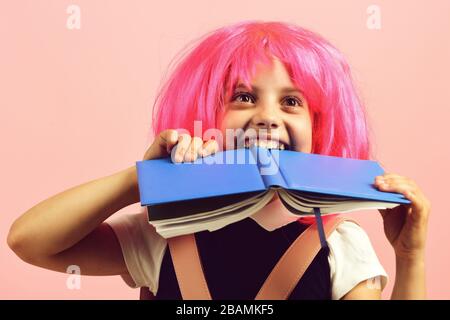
292 101
245 97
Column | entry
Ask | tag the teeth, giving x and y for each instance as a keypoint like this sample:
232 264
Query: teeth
268 144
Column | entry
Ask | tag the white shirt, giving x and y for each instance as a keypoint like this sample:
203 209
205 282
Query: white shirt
350 249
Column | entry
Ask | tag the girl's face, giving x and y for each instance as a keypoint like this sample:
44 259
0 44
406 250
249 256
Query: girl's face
272 104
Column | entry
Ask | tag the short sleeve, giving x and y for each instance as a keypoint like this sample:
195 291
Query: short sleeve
352 260
142 248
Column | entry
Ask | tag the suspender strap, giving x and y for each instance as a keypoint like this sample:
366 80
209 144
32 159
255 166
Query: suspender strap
281 281
293 264
188 268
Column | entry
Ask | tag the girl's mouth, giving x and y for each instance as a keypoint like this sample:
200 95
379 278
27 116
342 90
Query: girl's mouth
267 143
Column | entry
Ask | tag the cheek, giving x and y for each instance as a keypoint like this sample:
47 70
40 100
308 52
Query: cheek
301 134
231 120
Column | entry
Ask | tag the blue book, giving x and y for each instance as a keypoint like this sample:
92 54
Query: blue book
228 186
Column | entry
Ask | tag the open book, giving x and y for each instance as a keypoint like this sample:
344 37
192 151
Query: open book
229 186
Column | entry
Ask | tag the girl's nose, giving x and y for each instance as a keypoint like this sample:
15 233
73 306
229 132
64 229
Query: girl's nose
266 120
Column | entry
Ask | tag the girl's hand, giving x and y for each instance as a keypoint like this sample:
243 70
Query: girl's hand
405 226
181 147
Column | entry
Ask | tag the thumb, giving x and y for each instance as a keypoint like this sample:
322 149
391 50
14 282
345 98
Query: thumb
162 145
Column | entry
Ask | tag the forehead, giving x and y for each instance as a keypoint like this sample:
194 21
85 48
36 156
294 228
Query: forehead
268 76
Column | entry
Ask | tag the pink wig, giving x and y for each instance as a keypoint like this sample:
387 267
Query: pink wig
204 78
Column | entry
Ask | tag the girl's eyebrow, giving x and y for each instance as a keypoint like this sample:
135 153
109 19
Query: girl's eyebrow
256 89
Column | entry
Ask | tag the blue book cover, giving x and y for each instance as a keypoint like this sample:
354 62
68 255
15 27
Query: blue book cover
227 183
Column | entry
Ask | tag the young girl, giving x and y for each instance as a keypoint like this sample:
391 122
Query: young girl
253 75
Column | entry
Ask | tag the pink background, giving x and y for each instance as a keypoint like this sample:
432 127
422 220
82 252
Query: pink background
75 105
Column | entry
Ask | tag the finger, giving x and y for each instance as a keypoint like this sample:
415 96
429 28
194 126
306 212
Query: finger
193 150
391 174
420 206
397 186
169 139
400 185
387 176
393 180
158 148
209 147
184 140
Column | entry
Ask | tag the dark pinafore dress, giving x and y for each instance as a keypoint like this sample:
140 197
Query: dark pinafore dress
237 259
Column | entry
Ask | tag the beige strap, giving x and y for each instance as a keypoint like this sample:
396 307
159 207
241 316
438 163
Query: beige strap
281 281
293 264
188 268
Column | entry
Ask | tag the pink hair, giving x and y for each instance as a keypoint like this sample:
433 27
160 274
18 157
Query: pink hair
204 78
